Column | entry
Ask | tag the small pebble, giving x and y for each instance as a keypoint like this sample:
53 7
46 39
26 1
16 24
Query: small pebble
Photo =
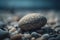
23 38
33 38
16 37
12 30
35 34
38 38
15 24
58 37
14 33
16 18
47 30
45 36
52 38
27 35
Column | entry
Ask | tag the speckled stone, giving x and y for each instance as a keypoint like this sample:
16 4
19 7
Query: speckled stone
32 21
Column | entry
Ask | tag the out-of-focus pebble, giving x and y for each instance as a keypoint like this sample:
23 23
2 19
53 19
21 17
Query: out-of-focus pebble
58 37
15 18
2 25
15 24
47 30
33 38
52 38
12 30
14 33
9 27
38 38
35 34
6 39
16 37
45 36
27 35
23 38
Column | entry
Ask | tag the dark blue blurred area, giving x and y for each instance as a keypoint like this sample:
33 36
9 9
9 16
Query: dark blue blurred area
29 4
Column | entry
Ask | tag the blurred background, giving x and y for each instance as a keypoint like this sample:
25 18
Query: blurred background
49 8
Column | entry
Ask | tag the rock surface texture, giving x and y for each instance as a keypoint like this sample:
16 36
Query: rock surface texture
32 21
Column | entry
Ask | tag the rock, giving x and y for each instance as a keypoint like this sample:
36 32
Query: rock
3 34
16 37
45 36
35 34
58 37
33 38
52 38
27 35
57 27
54 35
15 24
14 33
12 30
2 25
32 21
23 38
38 38
47 30
40 31
13 18
9 27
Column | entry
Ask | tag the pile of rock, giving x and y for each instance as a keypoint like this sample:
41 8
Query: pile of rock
30 27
